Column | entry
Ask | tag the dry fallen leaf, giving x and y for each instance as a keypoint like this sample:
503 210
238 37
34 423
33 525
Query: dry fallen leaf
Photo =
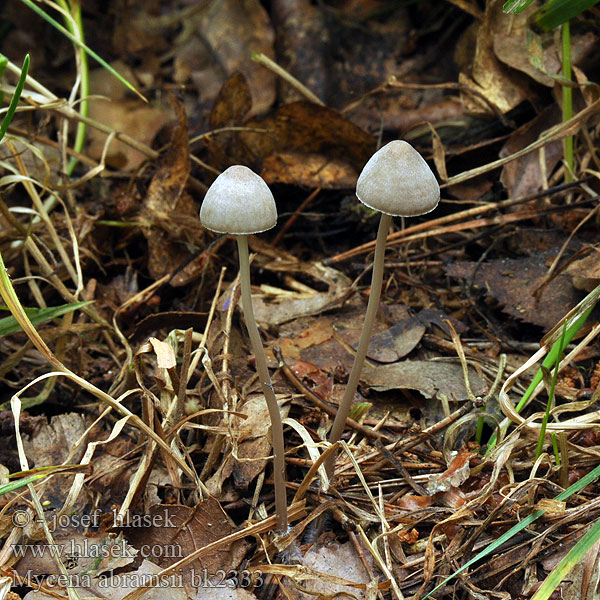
501 86
169 214
165 355
123 114
538 55
172 532
585 272
454 476
275 306
252 446
222 39
397 341
523 176
433 379
338 560
308 170
513 281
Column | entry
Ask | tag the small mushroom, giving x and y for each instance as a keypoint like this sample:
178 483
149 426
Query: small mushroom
396 181
239 202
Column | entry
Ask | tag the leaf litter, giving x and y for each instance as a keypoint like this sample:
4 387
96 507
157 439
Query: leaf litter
510 251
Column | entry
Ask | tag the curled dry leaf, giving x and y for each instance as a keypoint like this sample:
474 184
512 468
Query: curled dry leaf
276 306
491 79
223 38
168 213
165 355
412 503
454 476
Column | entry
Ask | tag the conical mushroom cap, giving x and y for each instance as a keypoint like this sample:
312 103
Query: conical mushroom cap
238 202
397 181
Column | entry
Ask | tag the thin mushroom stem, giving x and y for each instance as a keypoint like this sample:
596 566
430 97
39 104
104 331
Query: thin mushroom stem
267 387
339 422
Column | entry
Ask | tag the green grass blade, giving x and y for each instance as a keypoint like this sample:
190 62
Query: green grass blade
3 63
541 438
556 12
514 7
567 94
10 325
12 107
83 46
563 568
553 356
573 489
11 486
547 363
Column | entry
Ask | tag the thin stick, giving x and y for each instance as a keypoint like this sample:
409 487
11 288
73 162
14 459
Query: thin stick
266 385
270 64
458 216
363 344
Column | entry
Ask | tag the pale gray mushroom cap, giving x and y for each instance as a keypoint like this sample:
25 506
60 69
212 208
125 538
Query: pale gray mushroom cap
397 181
238 202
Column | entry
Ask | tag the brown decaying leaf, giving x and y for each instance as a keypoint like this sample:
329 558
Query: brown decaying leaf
168 213
523 176
338 560
299 143
306 127
51 442
232 103
308 170
432 379
178 530
454 476
502 86
319 332
513 281
253 443
123 114
279 306
397 341
224 36
413 503
538 55
294 129
585 272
